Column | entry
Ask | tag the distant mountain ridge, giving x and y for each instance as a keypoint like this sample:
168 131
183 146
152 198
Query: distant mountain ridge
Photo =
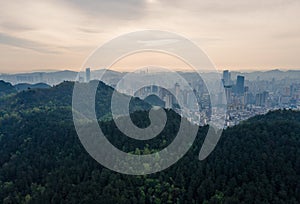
268 75
112 77
7 88
56 77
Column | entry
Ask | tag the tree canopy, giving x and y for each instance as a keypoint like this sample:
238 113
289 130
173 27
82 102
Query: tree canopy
43 161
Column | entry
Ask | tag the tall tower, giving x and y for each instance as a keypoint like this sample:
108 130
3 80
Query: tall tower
88 75
240 85
168 101
228 90
177 90
226 78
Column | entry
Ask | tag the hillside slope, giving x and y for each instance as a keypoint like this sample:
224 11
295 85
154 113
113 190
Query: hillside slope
42 161
61 96
6 88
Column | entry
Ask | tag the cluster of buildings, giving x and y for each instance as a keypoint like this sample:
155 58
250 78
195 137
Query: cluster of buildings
246 99
239 95
243 94
194 104
239 98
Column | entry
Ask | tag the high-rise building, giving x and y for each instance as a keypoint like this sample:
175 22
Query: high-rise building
88 74
228 90
177 90
220 98
191 100
240 85
168 101
226 78
249 98
261 98
292 90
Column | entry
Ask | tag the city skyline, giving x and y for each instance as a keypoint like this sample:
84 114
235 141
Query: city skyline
243 96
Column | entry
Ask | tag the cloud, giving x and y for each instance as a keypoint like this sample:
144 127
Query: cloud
23 43
151 43
89 30
121 9
230 31
230 6
15 26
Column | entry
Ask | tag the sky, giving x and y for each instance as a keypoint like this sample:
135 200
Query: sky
247 35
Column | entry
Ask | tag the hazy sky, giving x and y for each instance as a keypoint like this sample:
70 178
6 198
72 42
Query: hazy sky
236 34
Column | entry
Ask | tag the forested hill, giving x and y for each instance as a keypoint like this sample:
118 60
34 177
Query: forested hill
26 86
43 161
61 96
6 88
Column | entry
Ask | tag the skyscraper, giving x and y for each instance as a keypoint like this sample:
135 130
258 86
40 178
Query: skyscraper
261 98
88 74
226 78
240 85
228 90
168 101
177 90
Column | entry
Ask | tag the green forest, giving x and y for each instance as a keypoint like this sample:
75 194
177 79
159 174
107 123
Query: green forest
43 161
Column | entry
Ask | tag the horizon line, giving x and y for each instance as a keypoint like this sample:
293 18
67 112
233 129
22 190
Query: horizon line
185 71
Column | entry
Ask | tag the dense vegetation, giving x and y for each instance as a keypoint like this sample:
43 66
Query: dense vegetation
61 96
43 161
26 86
6 88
